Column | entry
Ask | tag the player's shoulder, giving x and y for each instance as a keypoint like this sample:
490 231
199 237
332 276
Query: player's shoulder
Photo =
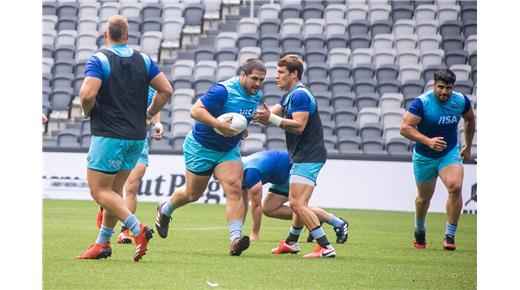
458 96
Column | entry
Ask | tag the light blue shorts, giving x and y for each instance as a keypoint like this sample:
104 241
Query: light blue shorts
308 170
201 160
109 155
143 158
427 169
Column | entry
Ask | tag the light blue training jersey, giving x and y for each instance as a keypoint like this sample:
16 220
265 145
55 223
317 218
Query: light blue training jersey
225 97
439 119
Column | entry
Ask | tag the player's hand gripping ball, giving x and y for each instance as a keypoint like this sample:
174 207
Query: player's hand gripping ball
238 122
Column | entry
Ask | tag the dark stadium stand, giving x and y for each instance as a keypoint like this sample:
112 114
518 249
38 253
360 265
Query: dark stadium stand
365 60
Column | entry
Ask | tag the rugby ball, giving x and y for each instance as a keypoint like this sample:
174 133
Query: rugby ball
238 122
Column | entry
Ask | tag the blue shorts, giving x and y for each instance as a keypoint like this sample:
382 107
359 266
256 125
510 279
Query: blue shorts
143 158
308 170
427 169
281 189
201 160
109 155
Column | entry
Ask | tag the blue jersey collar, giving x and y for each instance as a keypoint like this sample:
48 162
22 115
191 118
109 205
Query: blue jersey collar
121 50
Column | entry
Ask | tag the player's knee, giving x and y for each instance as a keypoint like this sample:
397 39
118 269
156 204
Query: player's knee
296 205
454 188
267 211
193 196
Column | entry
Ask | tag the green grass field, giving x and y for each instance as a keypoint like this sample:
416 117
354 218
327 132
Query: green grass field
378 255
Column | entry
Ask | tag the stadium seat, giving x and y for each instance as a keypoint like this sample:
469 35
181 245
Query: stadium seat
450 27
269 11
471 43
455 57
388 86
345 114
49 23
428 42
425 27
246 53
314 41
364 71
464 86
87 24
447 12
323 98
373 145
276 143
172 11
410 71
381 26
382 41
349 144
408 56
290 11
151 43
49 8
362 55
269 26
247 39
339 56
65 66
316 70
65 37
391 101
412 88
205 68
339 86
345 129
47 64
68 140
87 39
335 11
391 117
151 11
193 19
319 84
65 9
336 27
365 86
291 41
67 23
385 57
387 72
313 26
404 27
397 146
425 11
226 40
370 130
468 12
269 41
358 26
151 25
108 9
431 57
64 52
461 71
340 72
359 41
314 10
182 82
291 26
405 42
343 100
62 80
357 11
366 99
472 59
470 28
271 54
129 9
391 132
402 12
379 11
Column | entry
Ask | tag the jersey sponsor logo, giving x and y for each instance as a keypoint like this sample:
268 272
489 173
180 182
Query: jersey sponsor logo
446 120
248 113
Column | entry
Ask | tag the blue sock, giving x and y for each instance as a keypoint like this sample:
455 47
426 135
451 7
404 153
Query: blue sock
317 233
420 224
235 229
133 224
451 229
167 208
335 222
105 233
295 231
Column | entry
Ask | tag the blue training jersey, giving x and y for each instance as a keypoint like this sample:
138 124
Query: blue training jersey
439 119
269 166
309 146
224 97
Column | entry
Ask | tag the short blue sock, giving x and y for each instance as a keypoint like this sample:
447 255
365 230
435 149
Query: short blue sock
167 208
105 233
133 224
317 233
335 222
235 229
295 231
420 224
451 229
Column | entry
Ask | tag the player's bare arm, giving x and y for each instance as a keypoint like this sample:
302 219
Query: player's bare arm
163 93
469 132
409 130
297 124
200 113
87 94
